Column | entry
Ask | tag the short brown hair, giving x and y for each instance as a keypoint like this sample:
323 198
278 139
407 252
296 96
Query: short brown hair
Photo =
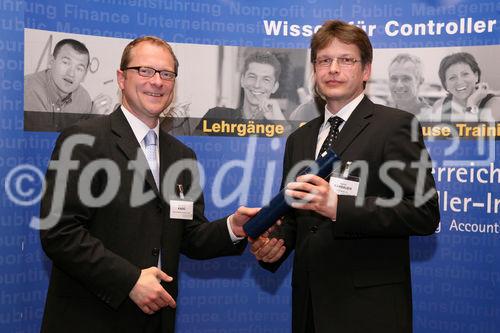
346 33
150 39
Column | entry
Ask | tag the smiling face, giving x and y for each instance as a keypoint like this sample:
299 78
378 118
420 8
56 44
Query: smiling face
145 97
340 85
460 80
404 82
258 83
68 69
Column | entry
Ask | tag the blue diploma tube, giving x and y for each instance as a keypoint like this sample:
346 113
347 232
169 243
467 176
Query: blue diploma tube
278 206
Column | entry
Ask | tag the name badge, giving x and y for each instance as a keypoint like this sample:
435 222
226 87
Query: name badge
342 183
343 186
180 209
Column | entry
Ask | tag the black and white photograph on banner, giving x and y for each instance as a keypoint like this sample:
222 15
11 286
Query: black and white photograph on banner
58 93
243 100
469 97
256 86
439 85
67 78
416 81
259 83
242 91
67 96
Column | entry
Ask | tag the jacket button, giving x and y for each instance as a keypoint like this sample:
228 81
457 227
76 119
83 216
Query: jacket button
155 252
313 229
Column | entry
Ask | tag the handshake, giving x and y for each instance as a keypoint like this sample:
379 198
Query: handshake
310 191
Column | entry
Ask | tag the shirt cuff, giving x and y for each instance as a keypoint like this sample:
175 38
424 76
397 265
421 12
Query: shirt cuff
234 238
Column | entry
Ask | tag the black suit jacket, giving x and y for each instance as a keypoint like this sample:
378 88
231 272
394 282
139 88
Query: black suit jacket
356 270
98 252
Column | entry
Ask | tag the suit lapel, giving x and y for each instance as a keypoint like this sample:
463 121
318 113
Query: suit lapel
357 122
310 139
128 145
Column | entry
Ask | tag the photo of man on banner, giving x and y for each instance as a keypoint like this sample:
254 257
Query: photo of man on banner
54 98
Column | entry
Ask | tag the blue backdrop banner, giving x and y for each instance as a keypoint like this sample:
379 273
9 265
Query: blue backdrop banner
455 272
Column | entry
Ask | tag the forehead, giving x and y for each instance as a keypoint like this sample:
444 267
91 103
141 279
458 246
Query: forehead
152 55
338 48
459 67
403 68
260 69
67 51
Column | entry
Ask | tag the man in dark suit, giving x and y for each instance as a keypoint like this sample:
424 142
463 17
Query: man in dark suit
115 256
352 267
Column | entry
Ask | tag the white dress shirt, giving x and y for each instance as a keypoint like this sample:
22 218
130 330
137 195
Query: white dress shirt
140 130
343 113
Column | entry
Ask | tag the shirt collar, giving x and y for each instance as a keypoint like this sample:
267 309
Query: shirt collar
346 111
138 127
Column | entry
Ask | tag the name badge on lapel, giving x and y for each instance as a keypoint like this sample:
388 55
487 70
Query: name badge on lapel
181 209
343 184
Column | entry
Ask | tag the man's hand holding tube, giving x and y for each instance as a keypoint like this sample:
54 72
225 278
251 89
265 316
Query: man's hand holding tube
310 192
238 219
264 248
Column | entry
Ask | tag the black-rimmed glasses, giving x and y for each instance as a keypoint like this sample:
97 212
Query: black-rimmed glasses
150 72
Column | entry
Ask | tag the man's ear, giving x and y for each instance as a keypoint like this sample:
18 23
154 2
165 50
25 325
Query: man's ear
120 78
367 71
52 60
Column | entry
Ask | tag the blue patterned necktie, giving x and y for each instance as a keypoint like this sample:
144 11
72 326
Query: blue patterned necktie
150 142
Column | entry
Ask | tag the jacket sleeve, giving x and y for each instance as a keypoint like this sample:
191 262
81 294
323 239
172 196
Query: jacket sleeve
288 230
414 209
202 239
70 245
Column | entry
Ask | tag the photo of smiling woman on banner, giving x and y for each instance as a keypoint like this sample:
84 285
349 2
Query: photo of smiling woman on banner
468 98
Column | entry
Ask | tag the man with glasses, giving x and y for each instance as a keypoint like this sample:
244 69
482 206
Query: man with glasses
115 261
351 268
